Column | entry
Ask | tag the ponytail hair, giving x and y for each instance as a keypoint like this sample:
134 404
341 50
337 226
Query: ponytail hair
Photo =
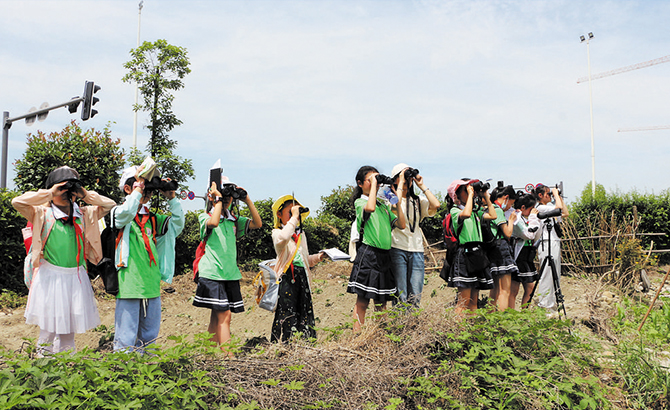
539 190
525 200
360 177
500 192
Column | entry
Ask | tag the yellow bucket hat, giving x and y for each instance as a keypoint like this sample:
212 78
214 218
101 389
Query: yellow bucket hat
278 204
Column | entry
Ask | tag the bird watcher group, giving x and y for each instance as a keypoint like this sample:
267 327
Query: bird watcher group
497 237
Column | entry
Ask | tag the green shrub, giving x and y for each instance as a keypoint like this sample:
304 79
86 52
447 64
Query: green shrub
257 245
516 360
12 249
653 211
186 244
165 379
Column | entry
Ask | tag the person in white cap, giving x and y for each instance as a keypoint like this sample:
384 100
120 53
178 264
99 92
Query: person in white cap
61 300
144 257
407 257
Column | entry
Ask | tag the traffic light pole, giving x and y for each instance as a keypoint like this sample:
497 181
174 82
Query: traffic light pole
5 144
7 124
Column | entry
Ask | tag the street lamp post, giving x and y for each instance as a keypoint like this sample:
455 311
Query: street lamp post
587 38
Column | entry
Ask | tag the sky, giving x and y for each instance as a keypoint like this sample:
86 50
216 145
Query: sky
295 96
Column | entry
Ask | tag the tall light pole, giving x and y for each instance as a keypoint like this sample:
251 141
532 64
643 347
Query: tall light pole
587 38
139 20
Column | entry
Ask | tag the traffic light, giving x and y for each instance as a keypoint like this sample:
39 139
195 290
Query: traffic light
87 110
73 107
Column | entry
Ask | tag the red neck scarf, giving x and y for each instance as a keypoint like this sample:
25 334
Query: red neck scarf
147 244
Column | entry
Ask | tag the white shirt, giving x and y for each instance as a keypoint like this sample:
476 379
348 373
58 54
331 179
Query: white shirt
405 239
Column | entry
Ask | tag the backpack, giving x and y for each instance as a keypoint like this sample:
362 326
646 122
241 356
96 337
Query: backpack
450 239
267 286
106 268
199 253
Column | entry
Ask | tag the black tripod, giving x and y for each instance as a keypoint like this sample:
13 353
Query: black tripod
554 275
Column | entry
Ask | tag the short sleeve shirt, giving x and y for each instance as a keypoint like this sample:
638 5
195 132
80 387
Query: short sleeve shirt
471 231
500 219
220 259
378 226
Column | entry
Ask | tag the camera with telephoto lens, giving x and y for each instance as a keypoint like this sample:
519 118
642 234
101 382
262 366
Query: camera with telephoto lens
480 186
384 180
72 187
158 184
232 190
411 173
550 214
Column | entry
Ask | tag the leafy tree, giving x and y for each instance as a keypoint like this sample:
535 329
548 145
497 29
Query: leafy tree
159 68
94 154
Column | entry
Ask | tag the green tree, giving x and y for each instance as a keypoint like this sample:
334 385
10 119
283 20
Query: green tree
94 154
158 69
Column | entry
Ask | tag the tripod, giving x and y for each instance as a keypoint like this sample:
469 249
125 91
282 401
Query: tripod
554 275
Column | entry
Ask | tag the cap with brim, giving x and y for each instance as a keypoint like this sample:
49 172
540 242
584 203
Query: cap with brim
398 169
277 205
126 175
453 187
61 174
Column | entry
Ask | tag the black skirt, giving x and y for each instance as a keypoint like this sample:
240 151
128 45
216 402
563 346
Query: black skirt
501 258
526 264
470 269
371 277
294 313
219 295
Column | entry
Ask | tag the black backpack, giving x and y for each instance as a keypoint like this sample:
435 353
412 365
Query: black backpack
106 268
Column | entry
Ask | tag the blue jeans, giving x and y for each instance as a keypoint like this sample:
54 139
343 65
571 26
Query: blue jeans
136 323
409 270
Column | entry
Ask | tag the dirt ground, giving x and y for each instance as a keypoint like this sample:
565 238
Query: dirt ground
332 307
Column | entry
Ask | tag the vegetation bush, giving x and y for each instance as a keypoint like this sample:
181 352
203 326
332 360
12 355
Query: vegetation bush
645 381
652 210
186 244
166 378
12 249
